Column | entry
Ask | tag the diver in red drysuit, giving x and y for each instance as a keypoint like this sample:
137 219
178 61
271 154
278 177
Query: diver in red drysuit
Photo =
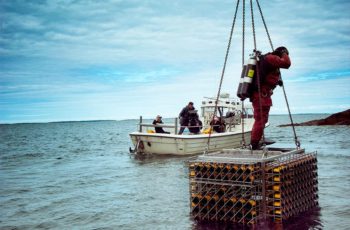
272 64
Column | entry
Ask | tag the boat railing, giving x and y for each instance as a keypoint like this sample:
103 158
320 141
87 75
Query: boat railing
175 126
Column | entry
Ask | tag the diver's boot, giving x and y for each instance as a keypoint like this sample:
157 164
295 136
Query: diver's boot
254 145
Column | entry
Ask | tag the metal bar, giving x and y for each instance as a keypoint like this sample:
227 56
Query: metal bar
222 183
170 126
160 125
176 124
140 125
238 159
263 190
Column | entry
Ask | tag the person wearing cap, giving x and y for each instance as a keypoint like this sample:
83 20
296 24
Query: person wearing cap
157 121
270 78
184 116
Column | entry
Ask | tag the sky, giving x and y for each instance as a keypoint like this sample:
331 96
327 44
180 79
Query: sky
64 60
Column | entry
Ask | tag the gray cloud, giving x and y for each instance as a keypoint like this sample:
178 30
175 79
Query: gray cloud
65 50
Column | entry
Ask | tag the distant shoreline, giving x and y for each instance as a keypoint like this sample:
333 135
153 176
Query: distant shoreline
341 118
104 120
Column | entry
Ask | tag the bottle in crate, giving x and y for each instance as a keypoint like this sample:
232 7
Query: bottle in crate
195 199
221 191
232 191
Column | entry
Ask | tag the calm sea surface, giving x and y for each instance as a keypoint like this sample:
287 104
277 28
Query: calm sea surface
80 175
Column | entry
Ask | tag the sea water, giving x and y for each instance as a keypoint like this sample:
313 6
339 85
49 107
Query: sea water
80 175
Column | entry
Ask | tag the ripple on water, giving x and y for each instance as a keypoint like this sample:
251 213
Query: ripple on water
80 175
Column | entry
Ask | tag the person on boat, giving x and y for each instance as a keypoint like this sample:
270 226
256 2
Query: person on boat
157 121
184 116
270 78
218 125
194 124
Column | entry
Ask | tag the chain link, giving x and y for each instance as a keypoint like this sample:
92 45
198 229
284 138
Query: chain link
253 25
243 32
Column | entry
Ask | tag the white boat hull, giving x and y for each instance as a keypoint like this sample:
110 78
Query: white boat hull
171 144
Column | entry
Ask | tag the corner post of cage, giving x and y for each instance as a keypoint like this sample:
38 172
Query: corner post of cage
263 165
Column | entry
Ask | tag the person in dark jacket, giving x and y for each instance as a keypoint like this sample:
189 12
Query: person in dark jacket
157 121
218 124
184 116
272 64
194 124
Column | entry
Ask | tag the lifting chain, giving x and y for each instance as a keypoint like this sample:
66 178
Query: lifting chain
296 141
253 25
222 74
243 32
256 53
257 71
243 143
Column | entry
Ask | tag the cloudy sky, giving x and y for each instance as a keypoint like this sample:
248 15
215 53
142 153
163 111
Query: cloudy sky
118 59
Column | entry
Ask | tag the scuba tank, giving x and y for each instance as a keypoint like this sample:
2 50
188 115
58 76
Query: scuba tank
239 90
248 73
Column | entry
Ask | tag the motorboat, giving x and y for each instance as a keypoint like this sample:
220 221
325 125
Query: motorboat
238 123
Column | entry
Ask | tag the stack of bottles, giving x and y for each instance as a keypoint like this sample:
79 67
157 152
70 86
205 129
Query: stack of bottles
225 191
245 192
291 186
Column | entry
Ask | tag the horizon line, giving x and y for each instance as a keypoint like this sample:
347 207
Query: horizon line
99 120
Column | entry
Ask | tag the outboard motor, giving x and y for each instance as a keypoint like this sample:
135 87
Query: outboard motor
244 87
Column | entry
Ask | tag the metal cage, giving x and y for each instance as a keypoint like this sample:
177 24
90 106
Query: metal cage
244 186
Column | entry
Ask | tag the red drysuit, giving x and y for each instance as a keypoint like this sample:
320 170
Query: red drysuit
269 83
